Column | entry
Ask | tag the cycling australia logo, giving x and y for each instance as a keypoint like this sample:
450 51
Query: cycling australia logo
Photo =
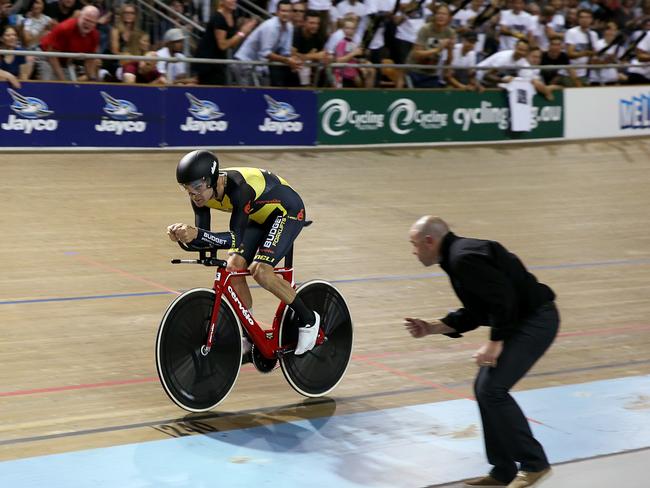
204 115
338 117
487 114
634 113
121 116
31 114
466 118
281 117
404 116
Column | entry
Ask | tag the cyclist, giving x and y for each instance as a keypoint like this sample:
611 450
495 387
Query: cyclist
266 217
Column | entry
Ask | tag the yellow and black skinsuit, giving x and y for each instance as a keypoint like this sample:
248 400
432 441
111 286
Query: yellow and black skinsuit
266 215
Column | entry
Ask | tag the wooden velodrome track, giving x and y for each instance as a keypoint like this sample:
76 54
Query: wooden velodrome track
86 278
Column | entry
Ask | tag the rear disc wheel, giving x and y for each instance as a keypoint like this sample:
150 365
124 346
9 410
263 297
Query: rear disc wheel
320 370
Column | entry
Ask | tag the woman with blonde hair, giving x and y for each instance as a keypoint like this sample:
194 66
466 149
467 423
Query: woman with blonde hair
125 36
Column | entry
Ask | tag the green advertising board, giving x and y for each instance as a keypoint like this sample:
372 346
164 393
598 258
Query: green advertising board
401 116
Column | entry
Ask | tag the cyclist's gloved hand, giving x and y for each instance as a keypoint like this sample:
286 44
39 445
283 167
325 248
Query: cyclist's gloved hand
182 232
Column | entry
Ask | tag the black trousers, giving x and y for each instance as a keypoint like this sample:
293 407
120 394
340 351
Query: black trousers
508 438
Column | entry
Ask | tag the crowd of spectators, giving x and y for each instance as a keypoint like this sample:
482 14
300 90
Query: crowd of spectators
303 37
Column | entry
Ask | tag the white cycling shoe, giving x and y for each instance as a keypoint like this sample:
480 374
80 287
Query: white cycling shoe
307 337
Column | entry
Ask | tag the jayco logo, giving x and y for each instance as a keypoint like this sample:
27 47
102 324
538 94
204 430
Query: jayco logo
244 312
281 118
31 113
204 117
403 114
121 115
337 114
634 113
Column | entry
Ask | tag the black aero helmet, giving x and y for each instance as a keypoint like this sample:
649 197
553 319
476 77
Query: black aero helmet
197 165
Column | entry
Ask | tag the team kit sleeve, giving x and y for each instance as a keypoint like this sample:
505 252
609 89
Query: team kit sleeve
202 217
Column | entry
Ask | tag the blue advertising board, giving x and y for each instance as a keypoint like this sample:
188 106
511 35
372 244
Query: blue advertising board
62 115
232 116
114 115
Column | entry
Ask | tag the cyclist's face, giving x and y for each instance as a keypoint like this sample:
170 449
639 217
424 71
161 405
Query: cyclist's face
199 191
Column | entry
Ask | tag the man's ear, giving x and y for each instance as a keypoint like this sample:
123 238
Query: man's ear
429 240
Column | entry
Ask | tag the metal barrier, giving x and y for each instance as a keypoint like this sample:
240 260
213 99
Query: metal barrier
405 67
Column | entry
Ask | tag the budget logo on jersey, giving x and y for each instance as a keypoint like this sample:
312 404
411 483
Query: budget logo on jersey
121 115
31 114
634 113
404 115
203 117
281 117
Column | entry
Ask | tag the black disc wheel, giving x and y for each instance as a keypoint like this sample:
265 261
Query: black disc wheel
317 372
196 381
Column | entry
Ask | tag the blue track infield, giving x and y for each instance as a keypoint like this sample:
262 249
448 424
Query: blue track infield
405 447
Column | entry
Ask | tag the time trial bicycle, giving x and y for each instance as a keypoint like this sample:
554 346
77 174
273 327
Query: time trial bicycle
199 341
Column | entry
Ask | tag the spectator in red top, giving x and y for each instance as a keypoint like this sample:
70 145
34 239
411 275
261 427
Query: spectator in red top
76 35
143 71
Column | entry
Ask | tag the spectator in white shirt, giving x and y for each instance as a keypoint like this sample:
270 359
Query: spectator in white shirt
461 19
464 55
534 75
379 13
338 35
500 64
638 74
611 55
548 26
354 7
409 19
36 24
515 24
581 42
173 48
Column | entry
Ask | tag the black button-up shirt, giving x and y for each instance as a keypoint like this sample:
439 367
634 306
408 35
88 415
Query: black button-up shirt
493 285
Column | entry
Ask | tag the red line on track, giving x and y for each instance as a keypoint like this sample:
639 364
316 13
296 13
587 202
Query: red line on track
97 264
367 358
55 389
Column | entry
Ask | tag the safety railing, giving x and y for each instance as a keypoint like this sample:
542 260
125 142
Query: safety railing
403 67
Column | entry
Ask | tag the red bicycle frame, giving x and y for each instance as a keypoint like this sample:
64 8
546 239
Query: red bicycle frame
267 341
